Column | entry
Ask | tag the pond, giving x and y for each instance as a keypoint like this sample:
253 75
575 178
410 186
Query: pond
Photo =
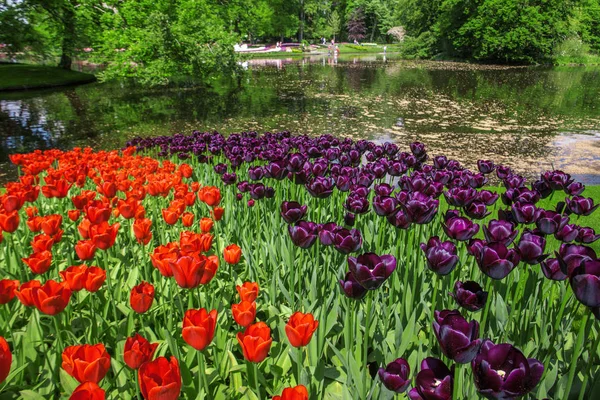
531 118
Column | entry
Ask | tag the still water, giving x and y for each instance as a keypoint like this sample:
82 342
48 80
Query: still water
532 118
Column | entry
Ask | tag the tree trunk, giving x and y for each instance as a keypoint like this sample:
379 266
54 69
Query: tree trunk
373 30
68 40
301 33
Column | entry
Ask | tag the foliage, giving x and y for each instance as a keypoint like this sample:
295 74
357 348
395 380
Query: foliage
356 25
21 76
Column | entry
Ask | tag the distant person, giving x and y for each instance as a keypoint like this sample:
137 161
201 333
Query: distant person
384 49
337 50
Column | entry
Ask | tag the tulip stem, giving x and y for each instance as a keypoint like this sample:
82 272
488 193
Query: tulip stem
202 381
576 354
589 366
138 394
486 310
365 364
255 379
457 384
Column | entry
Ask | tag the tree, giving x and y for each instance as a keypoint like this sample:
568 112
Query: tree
356 25
335 23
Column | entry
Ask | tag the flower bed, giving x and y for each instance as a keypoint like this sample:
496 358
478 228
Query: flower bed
321 268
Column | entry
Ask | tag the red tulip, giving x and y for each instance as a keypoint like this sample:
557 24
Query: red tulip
5 359
39 263
170 215
187 219
104 235
52 297
163 256
160 379
296 393
206 224
188 271
137 351
42 243
199 328
210 195
248 291
84 228
142 229
51 224
97 212
85 249
217 213
88 391
85 362
7 290
232 254
210 269
141 297
94 278
255 342
75 277
300 328
244 313
35 223
73 215
9 222
25 292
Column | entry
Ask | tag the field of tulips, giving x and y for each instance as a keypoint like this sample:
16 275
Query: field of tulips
292 267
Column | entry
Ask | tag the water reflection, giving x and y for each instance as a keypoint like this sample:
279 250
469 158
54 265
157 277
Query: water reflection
530 118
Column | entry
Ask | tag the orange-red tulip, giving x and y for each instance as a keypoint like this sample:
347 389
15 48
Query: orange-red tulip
5 359
210 269
74 215
244 313
12 202
88 391
52 297
300 328
199 328
94 278
170 216
293 393
35 223
24 293
75 277
9 222
217 213
51 224
186 170
255 342
84 228
232 254
31 211
138 350
85 249
39 263
85 362
248 291
7 290
188 271
42 243
187 219
160 379
210 195
206 224
163 256
98 212
141 297
142 229
104 235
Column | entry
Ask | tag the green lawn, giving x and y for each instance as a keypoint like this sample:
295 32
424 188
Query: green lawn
26 76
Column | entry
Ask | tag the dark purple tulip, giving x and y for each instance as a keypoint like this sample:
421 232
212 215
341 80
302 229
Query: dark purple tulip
496 260
360 191
257 191
460 196
229 178
474 247
371 270
477 180
239 196
347 241
395 376
420 208
349 219
477 210
303 234
486 197
292 211
351 287
557 180
418 149
525 213
579 205
469 295
296 162
385 206
397 168
220 168
441 256
460 228
502 172
327 232
433 382
440 162
550 222
276 170
542 187
356 204
343 182
399 220
531 248
451 213
551 269
575 189
243 186
255 173
458 339
587 235
513 181
485 166
501 371
269 192
524 195
320 187
571 255
567 233
383 189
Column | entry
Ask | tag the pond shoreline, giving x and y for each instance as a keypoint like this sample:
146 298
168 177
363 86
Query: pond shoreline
19 77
